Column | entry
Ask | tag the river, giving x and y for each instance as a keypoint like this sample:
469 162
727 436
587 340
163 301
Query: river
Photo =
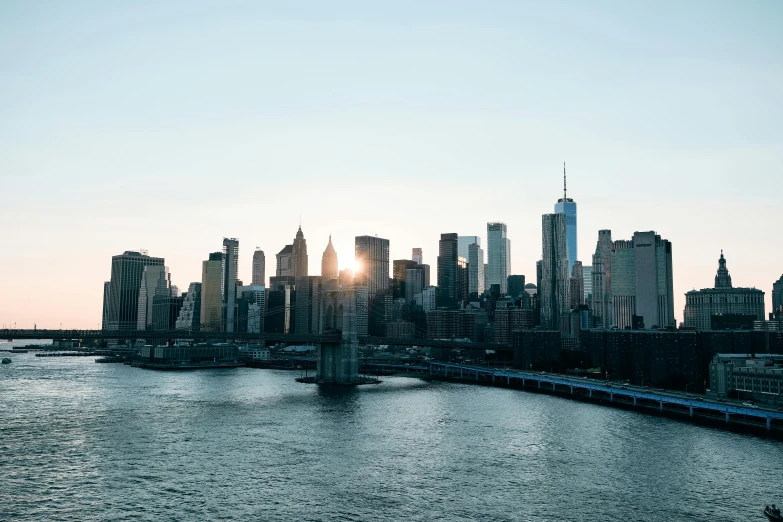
85 441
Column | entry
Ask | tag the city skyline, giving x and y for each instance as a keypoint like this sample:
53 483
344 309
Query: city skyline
347 261
386 141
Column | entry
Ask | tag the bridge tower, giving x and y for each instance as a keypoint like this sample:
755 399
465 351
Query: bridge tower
338 363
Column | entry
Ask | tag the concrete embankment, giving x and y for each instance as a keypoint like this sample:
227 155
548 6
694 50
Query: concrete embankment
729 417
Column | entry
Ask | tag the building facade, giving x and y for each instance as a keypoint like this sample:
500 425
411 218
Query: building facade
252 308
642 282
190 314
259 268
285 262
777 295
124 285
399 276
230 278
414 283
587 283
463 245
601 285
516 286
165 310
211 293
329 262
308 304
475 269
155 281
498 256
448 255
427 299
554 282
724 299
299 254
372 260
758 377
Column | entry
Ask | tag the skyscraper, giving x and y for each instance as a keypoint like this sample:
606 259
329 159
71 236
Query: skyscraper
329 262
190 313
463 245
230 277
165 310
372 264
251 307
414 282
448 257
516 285
285 263
577 291
777 295
587 284
155 281
567 206
299 254
399 276
106 299
642 282
475 269
417 255
554 283
498 255
123 293
602 280
308 304
211 293
259 268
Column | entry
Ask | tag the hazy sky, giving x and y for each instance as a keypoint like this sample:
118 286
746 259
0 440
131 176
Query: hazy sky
169 125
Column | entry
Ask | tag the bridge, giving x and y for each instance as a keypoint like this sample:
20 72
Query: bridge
594 389
200 336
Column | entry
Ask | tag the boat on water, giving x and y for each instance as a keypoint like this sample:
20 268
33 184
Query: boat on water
110 359
773 513
6 360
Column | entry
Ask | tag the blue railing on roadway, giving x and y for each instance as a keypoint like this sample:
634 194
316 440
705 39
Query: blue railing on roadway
611 390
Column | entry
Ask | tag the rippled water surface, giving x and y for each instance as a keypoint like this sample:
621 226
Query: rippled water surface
86 441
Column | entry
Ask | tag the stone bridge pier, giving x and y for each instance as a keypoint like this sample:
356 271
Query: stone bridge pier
338 363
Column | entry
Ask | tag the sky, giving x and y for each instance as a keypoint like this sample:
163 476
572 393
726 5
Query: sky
167 126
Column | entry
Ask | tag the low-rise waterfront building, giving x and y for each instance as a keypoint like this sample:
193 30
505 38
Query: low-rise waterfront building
758 377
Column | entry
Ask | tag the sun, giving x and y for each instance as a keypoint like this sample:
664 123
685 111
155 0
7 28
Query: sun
354 265
347 260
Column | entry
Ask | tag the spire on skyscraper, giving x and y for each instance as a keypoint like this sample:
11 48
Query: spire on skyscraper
329 262
565 196
722 278
299 254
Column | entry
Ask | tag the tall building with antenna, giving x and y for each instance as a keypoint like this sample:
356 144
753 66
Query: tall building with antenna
567 206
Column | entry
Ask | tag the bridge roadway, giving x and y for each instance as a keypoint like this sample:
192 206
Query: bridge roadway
237 336
628 392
